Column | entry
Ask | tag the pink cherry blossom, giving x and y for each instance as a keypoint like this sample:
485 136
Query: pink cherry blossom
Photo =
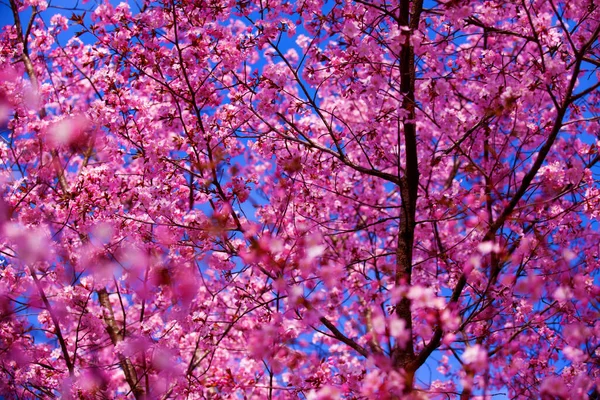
475 357
299 199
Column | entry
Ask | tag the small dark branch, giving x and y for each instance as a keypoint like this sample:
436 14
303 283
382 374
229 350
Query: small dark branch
467 391
592 61
477 22
35 84
402 357
541 157
57 330
536 38
585 92
434 343
122 308
116 337
343 338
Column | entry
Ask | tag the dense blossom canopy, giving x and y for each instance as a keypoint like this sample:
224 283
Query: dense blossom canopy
313 199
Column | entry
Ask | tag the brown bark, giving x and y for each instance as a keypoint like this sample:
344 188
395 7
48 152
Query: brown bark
403 357
35 84
116 337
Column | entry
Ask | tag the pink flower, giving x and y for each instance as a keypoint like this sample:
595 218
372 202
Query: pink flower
40 4
475 357
69 131
554 386
325 393
562 294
